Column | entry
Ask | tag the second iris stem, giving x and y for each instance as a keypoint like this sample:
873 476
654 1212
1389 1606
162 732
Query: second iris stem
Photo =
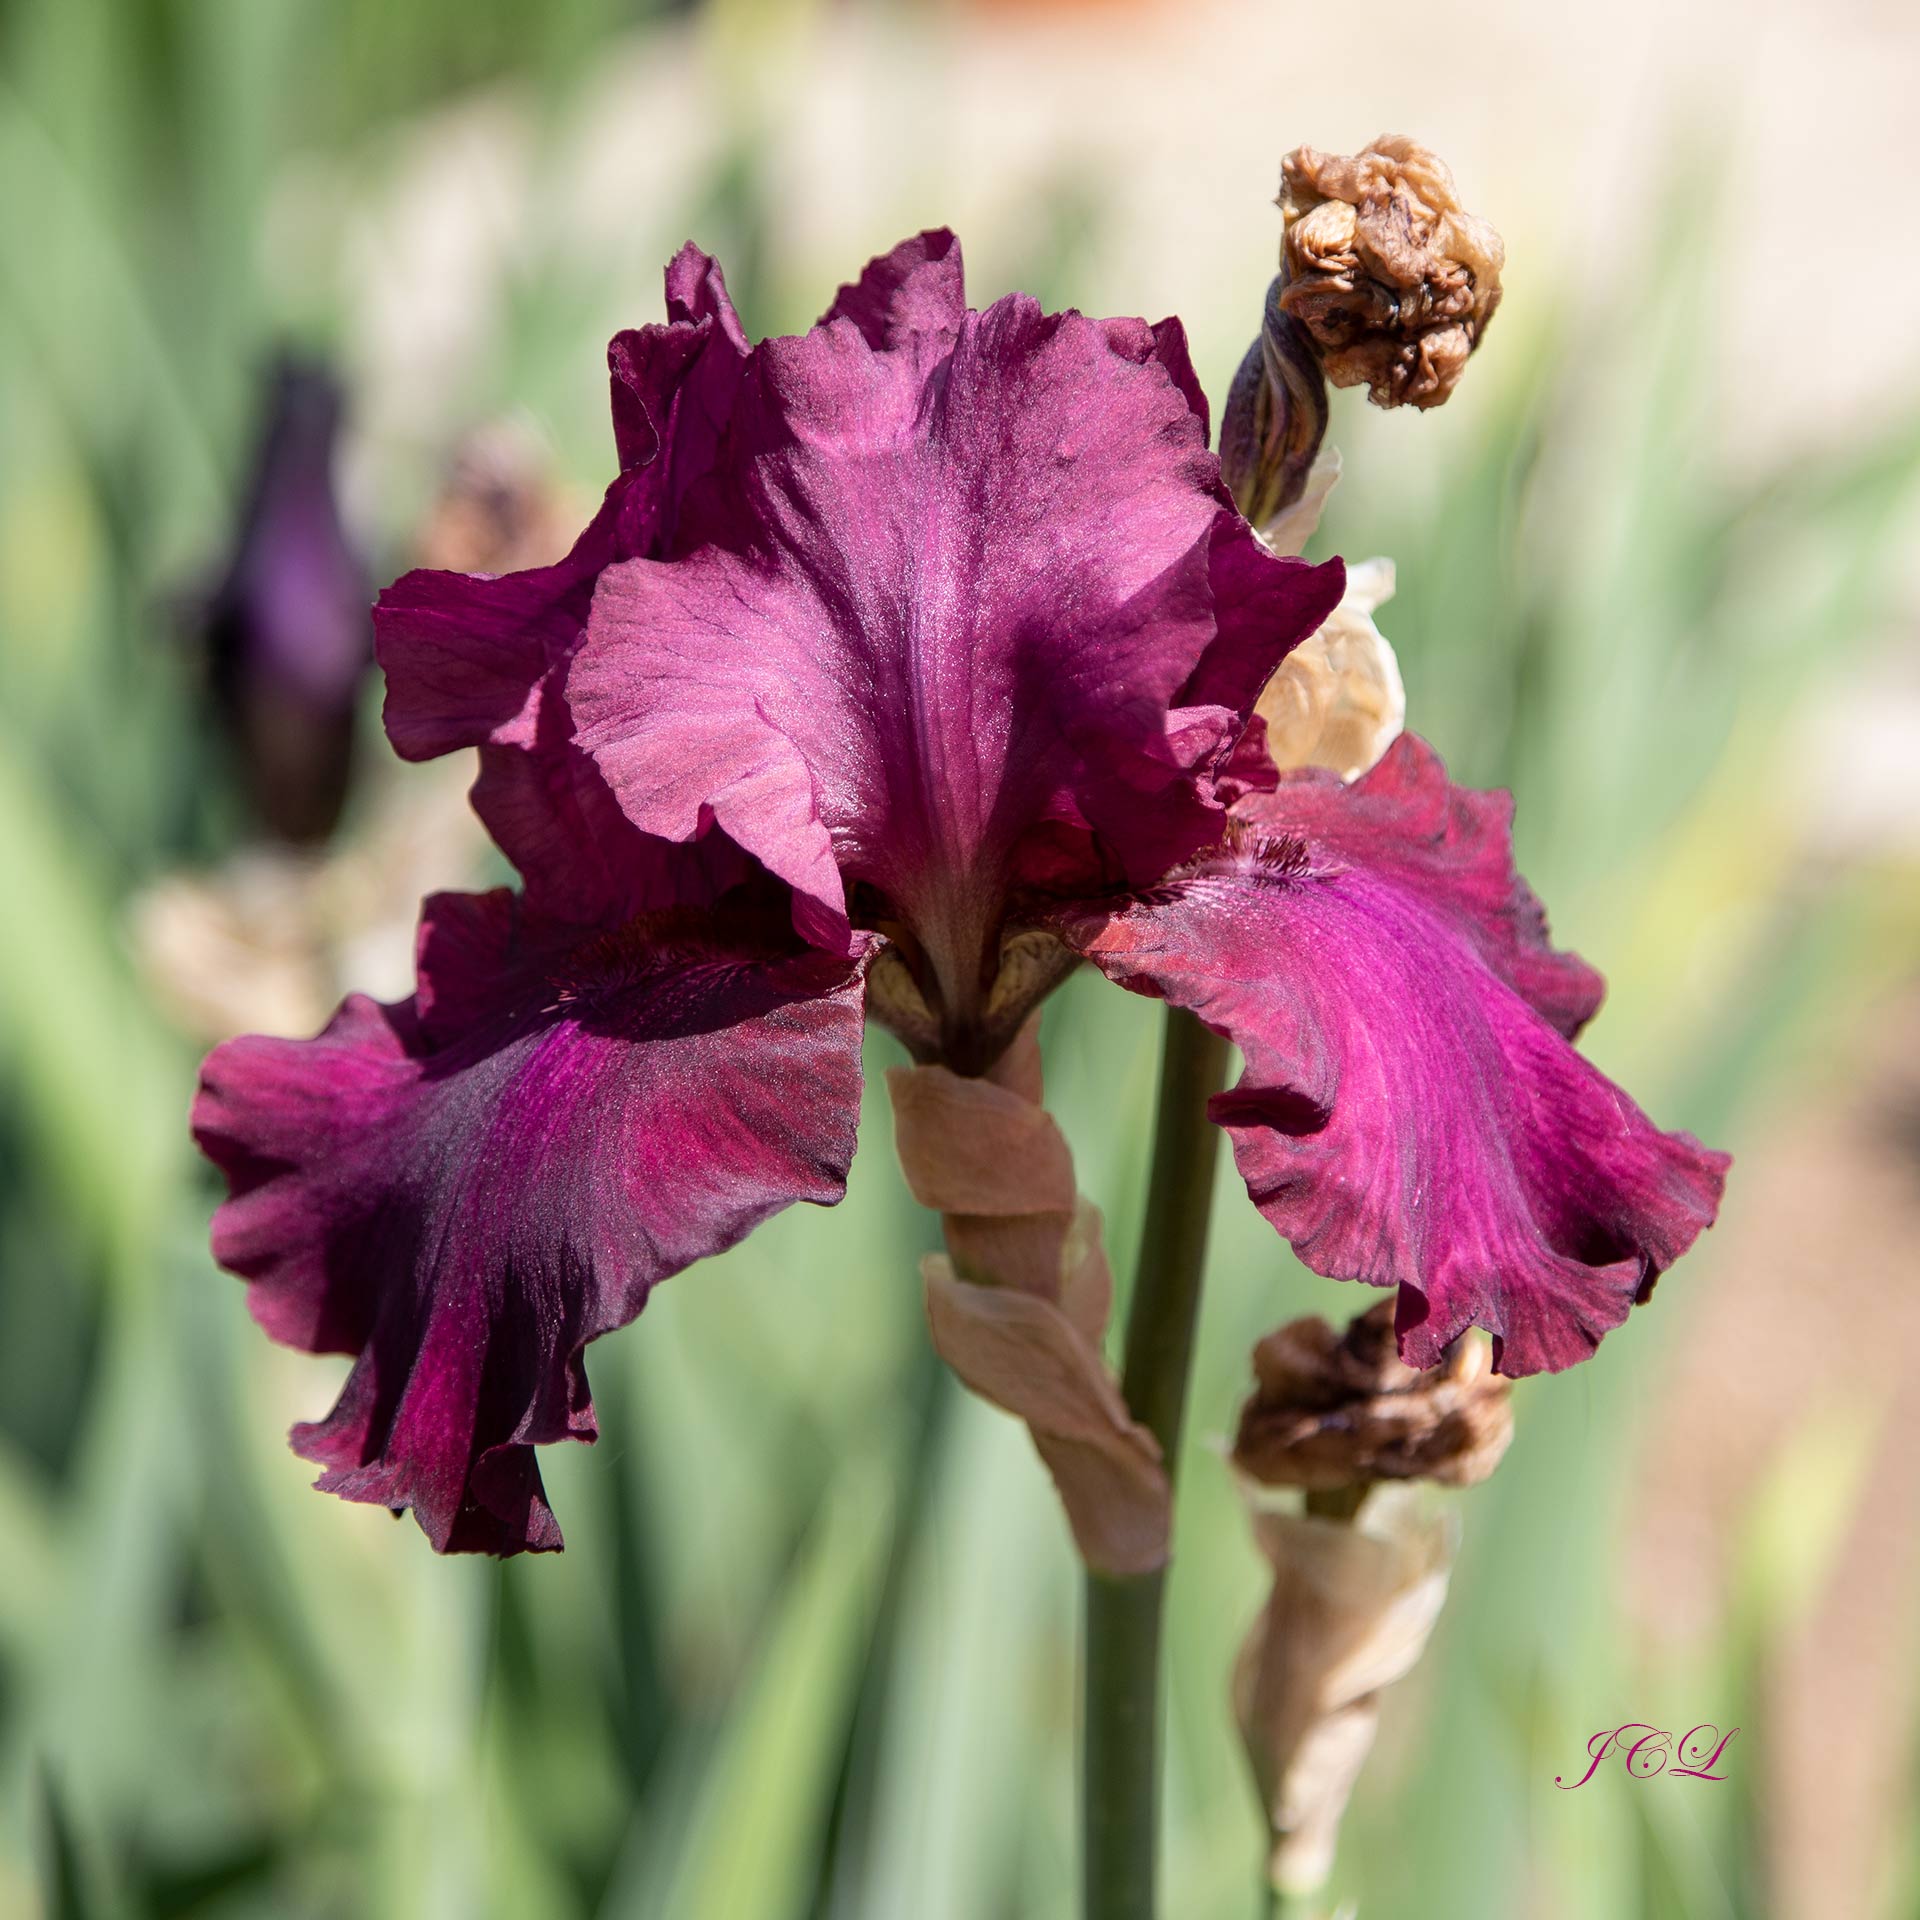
1120 1779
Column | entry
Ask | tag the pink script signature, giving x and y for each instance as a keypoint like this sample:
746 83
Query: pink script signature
1651 1750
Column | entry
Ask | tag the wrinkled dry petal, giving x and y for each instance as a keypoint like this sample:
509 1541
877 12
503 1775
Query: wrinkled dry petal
1394 281
1351 1611
988 1158
971 1146
1332 1410
1337 700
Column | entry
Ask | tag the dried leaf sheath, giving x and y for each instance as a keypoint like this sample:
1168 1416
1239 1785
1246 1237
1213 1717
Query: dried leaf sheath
1019 1303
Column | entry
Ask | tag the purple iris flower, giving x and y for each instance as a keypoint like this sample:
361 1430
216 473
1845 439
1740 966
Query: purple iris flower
907 664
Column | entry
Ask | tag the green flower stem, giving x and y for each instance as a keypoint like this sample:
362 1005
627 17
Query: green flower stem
1121 1732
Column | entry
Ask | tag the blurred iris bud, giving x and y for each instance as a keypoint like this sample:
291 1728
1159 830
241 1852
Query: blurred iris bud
1393 281
288 633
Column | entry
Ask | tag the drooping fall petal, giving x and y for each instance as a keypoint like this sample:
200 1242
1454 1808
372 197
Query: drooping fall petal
1412 1114
463 1190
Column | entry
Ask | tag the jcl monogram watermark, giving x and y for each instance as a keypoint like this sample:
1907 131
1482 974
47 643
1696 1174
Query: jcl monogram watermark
1647 1751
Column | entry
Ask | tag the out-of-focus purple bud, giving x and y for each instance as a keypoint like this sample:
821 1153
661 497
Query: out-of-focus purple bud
289 634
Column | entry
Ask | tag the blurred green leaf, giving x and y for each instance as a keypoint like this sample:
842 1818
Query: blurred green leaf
751 1841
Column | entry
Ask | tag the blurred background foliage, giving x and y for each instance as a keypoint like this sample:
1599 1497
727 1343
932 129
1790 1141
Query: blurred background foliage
810 1654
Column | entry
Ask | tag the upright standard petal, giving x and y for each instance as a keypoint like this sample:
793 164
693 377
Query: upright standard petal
472 660
463 1190
1412 1114
947 588
465 653
918 289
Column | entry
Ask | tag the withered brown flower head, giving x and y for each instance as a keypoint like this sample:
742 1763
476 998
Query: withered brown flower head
1332 1411
1392 279
500 508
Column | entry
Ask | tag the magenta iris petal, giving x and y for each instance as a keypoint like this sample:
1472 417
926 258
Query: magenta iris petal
1411 1112
919 289
1164 343
940 594
673 389
464 1190
472 660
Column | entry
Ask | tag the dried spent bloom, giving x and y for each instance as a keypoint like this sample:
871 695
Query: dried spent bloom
1335 1410
499 509
926 642
289 644
1392 279
1337 700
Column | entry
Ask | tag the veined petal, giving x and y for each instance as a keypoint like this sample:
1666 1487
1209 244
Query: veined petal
465 654
945 589
918 288
1411 1112
463 1190
673 389
472 660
